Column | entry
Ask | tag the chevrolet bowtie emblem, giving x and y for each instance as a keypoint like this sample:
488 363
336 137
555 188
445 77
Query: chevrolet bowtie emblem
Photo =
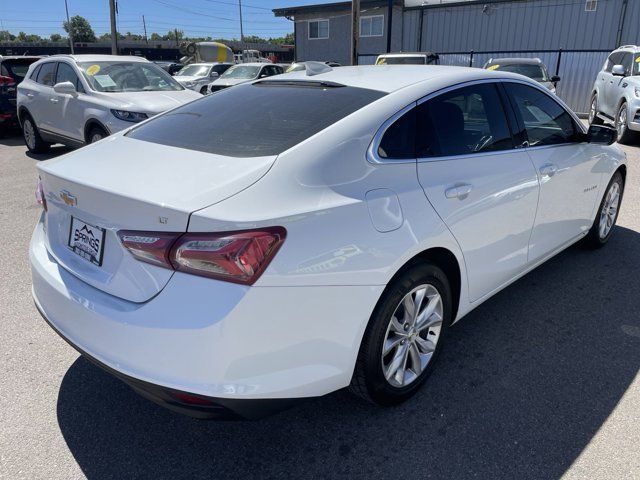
69 199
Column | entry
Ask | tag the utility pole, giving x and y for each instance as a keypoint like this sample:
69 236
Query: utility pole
389 26
241 31
66 7
114 30
144 25
355 30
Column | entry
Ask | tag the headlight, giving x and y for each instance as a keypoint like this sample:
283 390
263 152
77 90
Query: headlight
189 84
129 116
636 91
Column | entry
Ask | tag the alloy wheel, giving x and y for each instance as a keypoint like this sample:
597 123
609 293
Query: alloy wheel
621 124
609 210
592 110
29 134
412 335
96 137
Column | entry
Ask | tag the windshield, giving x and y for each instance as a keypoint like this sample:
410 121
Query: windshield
128 77
535 72
16 68
636 65
194 71
241 71
400 61
260 119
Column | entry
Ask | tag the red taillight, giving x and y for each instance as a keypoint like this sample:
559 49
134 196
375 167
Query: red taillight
40 198
6 81
191 399
150 247
239 256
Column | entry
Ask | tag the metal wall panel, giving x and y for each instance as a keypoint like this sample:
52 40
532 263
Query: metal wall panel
410 30
578 72
631 32
530 25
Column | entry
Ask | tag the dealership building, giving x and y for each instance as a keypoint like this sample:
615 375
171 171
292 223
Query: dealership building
572 37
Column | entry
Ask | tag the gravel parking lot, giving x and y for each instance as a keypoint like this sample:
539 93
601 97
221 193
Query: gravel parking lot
541 381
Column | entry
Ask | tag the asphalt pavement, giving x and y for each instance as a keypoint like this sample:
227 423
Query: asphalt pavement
541 381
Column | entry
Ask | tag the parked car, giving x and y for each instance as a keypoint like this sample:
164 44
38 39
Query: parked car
529 67
418 58
12 72
323 233
242 73
80 99
296 66
616 93
197 76
170 67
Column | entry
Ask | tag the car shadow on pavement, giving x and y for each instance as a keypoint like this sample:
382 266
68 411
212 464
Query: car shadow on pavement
523 384
14 139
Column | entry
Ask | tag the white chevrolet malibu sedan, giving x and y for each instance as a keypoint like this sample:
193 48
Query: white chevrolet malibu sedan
322 234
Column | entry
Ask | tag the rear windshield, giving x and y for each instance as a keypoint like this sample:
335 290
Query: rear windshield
535 72
16 67
255 120
401 61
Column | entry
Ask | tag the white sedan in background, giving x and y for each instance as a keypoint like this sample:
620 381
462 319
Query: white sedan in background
80 99
323 233
244 73
197 76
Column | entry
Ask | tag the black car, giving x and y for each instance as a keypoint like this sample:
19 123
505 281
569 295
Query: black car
170 67
12 72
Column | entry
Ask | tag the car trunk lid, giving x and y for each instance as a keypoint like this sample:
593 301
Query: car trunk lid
126 184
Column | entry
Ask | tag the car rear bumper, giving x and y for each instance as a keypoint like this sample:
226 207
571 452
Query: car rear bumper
209 338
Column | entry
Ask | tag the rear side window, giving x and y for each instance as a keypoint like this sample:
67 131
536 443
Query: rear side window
47 74
398 140
461 122
34 74
255 120
16 68
546 122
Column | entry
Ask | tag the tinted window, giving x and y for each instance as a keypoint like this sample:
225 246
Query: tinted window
626 61
47 74
220 69
536 72
398 140
34 74
546 122
259 119
614 59
16 68
67 74
464 121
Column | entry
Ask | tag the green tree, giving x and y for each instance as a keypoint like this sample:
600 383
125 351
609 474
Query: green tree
6 36
79 29
155 37
55 37
25 38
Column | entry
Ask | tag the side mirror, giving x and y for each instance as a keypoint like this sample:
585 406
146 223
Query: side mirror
601 134
214 75
65 88
618 71
555 79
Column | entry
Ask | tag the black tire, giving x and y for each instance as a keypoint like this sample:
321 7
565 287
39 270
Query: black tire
625 136
594 119
594 239
96 132
368 380
31 136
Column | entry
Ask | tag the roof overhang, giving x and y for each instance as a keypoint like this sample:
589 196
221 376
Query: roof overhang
331 7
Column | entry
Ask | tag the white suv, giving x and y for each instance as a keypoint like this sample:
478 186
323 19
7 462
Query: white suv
79 99
616 93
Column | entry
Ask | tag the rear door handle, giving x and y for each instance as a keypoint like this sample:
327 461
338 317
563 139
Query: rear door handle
548 170
53 100
460 191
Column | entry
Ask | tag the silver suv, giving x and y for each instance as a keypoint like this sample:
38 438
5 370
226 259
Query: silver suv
616 93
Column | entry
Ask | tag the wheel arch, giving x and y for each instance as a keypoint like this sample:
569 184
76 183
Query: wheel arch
22 112
93 122
444 259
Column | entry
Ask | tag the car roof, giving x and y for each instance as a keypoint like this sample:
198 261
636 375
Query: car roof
18 57
389 78
628 48
515 61
99 58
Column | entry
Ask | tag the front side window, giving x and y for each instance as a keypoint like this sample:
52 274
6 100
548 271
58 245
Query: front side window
372 26
627 63
614 59
545 121
127 77
67 74
47 74
261 119
464 121
318 29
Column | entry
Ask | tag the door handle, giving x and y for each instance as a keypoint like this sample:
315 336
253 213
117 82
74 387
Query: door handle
30 95
460 191
53 100
548 170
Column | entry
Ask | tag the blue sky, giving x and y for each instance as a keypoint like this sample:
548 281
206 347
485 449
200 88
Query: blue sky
215 18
